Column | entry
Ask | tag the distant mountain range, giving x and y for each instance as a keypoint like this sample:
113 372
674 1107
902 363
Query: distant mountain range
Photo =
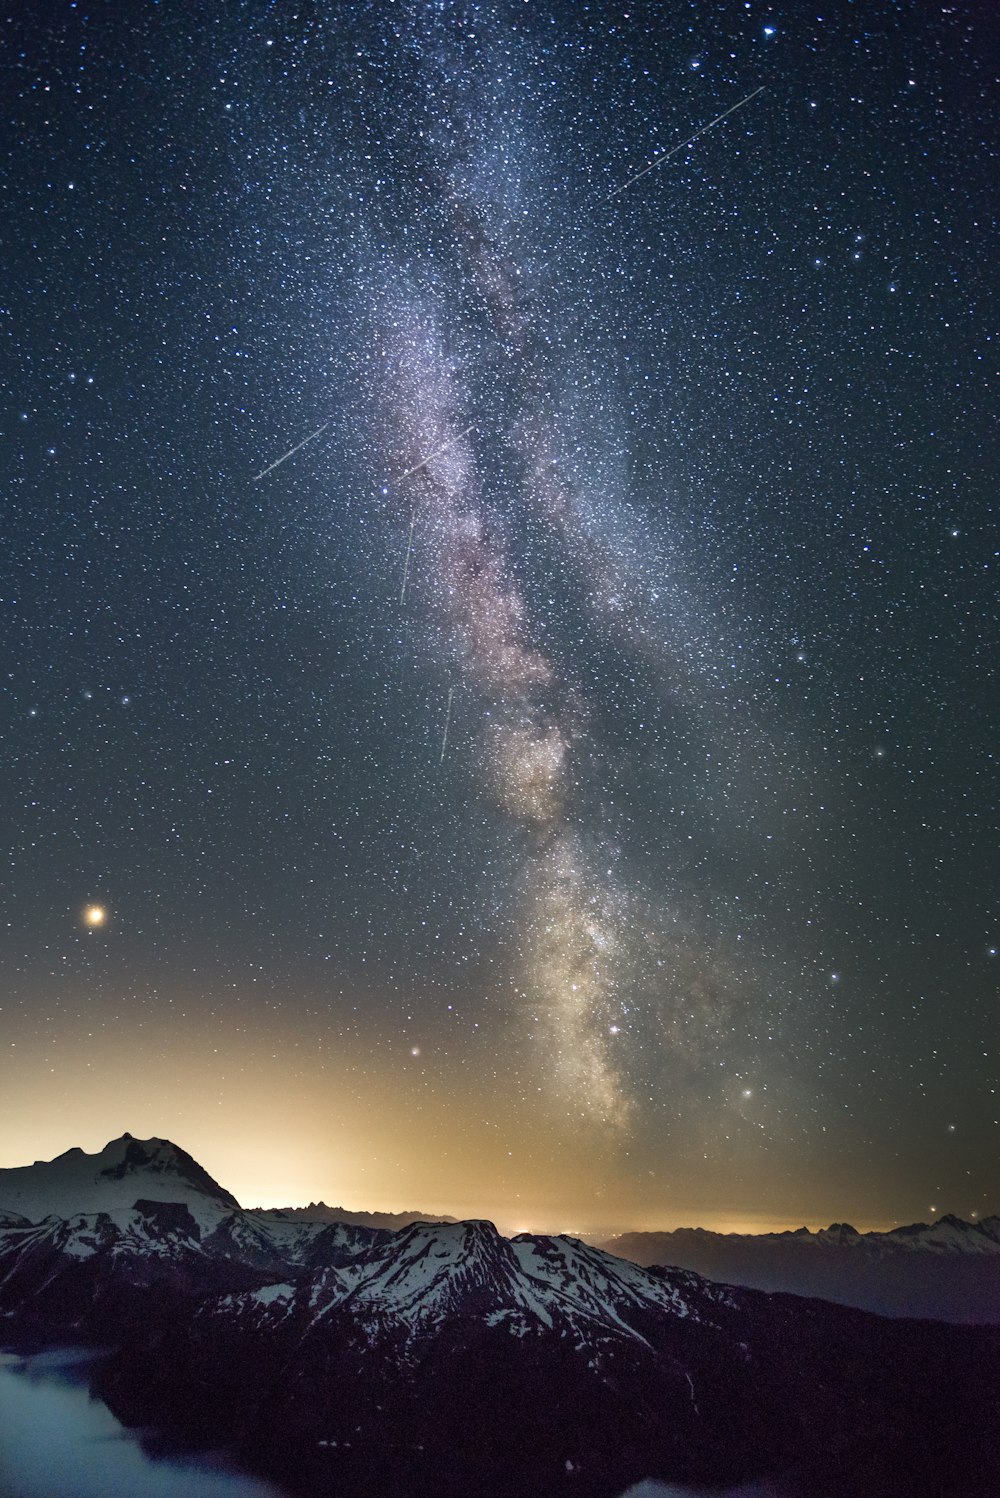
948 1269
445 1360
320 1212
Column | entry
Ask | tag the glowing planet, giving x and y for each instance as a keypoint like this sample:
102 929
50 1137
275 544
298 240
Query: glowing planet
95 915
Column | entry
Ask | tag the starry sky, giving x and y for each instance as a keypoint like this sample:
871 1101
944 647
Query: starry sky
499 680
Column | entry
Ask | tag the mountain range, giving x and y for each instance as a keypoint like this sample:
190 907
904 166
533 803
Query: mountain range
948 1269
320 1212
445 1359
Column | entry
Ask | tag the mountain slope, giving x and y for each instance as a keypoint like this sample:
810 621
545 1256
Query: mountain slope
449 1360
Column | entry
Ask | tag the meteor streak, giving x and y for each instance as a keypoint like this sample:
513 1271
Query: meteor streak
447 723
291 452
406 564
424 461
664 155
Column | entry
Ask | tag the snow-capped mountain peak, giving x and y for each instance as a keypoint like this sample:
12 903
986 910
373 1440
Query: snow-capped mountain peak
123 1171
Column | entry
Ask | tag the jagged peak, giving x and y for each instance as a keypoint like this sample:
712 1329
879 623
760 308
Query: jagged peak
348 1217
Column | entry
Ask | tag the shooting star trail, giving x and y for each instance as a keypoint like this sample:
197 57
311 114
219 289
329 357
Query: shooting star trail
447 724
424 461
291 452
406 564
665 155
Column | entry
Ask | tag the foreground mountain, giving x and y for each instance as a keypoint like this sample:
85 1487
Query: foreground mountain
949 1269
446 1360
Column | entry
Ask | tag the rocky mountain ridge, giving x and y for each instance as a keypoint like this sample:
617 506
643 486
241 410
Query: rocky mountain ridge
320 1212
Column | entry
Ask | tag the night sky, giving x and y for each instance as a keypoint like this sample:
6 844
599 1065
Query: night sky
565 789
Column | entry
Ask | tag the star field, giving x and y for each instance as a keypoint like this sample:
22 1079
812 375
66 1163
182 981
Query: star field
499 698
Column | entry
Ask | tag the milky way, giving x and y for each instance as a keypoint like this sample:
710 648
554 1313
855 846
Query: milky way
576 909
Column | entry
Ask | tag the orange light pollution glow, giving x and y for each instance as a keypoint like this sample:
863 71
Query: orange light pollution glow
281 1118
